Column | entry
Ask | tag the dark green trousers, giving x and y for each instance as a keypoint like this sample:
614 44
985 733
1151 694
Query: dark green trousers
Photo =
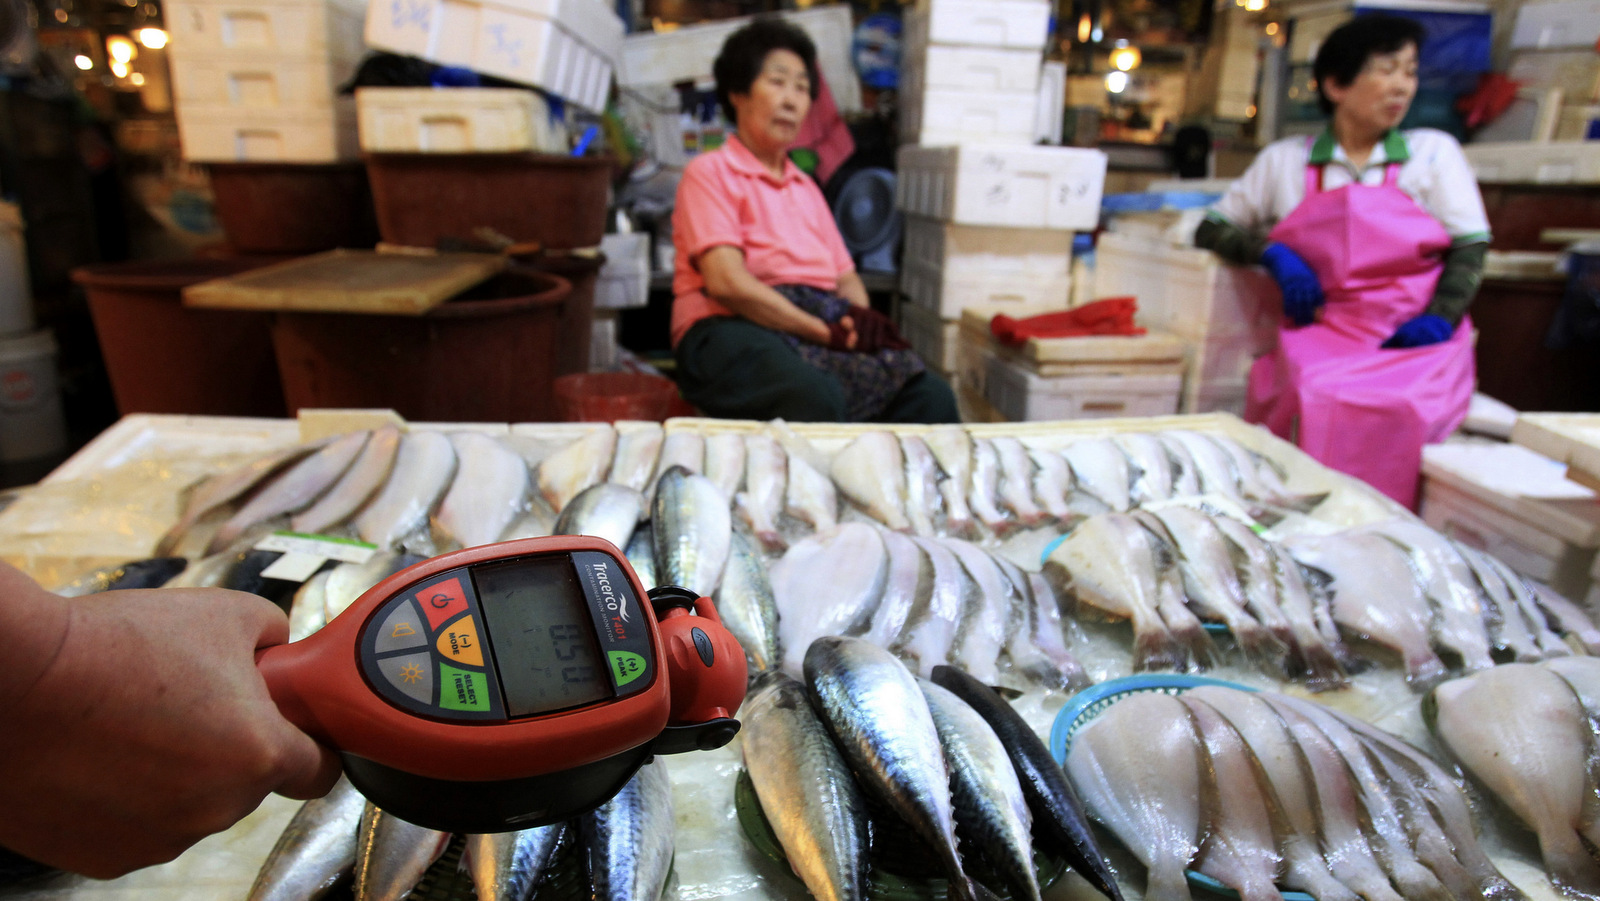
732 368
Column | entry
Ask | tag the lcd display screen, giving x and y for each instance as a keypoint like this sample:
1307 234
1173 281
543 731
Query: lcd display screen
542 635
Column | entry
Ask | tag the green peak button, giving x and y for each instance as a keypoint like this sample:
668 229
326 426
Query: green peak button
626 666
462 689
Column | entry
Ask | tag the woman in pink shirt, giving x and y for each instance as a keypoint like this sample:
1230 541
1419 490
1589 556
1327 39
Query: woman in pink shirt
770 318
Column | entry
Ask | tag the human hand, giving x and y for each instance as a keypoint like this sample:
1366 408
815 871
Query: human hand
1420 331
842 335
1302 293
876 332
148 728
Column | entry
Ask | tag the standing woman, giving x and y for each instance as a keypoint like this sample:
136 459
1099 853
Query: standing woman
1377 239
769 318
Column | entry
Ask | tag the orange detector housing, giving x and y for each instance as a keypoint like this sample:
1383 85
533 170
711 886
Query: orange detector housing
511 685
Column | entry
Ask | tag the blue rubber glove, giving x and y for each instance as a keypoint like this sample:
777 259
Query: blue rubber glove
1302 294
1421 331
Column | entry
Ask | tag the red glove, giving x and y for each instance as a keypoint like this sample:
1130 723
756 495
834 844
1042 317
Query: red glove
1112 316
839 336
875 332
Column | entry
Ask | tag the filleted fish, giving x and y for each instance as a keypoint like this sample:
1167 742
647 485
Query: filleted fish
297 488
871 472
357 486
827 584
489 490
423 468
565 473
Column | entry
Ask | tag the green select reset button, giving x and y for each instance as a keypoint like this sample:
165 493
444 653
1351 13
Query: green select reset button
463 690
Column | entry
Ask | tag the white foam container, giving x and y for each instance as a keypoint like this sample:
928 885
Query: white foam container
31 422
567 47
1021 395
1050 115
1023 24
935 117
226 134
1556 23
257 80
624 280
686 53
938 341
603 347
453 120
944 296
967 67
293 27
1530 162
997 184
16 293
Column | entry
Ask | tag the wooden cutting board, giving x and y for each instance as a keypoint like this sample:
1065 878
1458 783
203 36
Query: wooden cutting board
350 281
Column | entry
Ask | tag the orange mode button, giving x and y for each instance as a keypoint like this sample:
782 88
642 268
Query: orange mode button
459 642
441 601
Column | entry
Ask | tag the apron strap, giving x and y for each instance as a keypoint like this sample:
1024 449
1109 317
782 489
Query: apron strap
1391 175
1313 180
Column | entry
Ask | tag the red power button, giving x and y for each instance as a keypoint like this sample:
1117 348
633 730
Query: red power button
441 601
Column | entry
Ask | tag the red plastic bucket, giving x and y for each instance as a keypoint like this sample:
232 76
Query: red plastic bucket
610 396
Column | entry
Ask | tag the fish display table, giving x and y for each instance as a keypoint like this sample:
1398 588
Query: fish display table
114 499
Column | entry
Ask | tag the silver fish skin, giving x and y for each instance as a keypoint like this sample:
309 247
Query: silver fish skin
725 462
766 477
930 627
989 805
309 612
1149 800
316 851
506 866
811 799
1155 479
871 472
1508 631
685 449
828 584
909 574
348 581
983 492
641 554
1016 481
1318 658
630 838
214 491
608 510
638 449
1052 483
392 855
1527 602
565 473
809 496
297 488
357 486
1239 849
923 503
1449 587
692 530
952 450
489 490
422 470
882 725
1107 563
984 626
1101 469
746 604
1567 618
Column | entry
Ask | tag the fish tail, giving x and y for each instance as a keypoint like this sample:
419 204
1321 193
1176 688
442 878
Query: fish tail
1568 862
1167 883
1322 668
1198 648
1157 649
1262 648
1424 670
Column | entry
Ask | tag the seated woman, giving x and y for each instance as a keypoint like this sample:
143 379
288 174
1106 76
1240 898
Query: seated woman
1377 239
769 318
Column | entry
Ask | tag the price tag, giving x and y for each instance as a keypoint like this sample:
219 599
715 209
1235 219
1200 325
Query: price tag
305 554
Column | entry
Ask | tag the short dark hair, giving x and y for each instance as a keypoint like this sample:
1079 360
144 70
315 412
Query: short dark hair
745 52
1347 49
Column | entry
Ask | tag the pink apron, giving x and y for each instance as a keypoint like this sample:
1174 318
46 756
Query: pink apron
1328 386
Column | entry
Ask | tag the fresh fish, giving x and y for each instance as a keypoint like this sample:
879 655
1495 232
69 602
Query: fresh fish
153 572
247 575
691 528
871 472
422 470
629 839
1016 482
224 487
1047 632
765 476
983 494
317 850
349 581
1149 800
1218 474
1567 618
922 485
506 866
871 704
746 604
991 813
538 521
1052 484
1527 602
641 553
930 627
1108 563
1449 586
984 625
1058 815
1260 480
1256 568
392 855
811 799
608 510
1582 674
1021 627
1101 470
1185 471
908 575
1508 631
1375 596
308 612
1239 849
565 473
1319 658
809 495
828 584
297 488
685 449
357 486
1520 730
1155 479
638 448
489 490
952 449
725 462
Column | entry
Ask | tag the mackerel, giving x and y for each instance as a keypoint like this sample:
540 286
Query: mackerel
506 866
629 839
317 850
691 530
392 855
608 510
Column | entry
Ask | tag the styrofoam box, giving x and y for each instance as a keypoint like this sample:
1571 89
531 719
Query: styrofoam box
937 340
929 288
603 342
1188 291
452 120
686 54
1050 114
987 23
1020 395
1535 554
937 116
624 281
1527 162
996 184
967 67
281 136
567 47
250 79
1556 23
979 251
321 27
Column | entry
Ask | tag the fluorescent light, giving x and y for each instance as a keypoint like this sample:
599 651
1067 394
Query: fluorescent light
83 62
154 38
1116 82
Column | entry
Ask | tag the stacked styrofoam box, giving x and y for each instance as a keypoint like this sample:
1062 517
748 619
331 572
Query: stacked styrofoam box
971 71
946 267
258 81
567 47
938 340
454 120
1227 314
624 281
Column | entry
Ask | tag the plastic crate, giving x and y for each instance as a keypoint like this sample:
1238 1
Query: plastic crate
256 80
966 67
226 134
1021 395
453 120
296 28
1529 162
567 47
997 184
987 23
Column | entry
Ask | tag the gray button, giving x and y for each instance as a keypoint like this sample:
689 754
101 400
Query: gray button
402 628
412 674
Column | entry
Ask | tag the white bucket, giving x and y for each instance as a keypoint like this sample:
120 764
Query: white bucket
31 422
16 297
